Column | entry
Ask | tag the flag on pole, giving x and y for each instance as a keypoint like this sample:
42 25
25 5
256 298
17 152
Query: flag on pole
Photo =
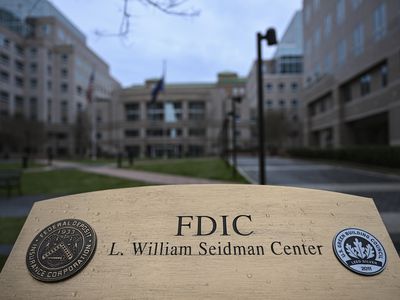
158 87
89 91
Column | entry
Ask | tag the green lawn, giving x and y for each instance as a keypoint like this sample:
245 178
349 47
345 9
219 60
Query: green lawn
210 168
10 228
63 182
17 165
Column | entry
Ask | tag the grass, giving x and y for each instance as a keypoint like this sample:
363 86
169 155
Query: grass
64 182
10 228
17 165
210 168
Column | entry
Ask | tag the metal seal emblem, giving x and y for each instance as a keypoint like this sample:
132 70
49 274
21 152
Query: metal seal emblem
359 251
61 250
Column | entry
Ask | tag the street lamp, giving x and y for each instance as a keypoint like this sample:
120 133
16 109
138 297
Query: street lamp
270 37
237 94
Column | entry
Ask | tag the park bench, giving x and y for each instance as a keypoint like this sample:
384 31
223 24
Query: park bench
10 179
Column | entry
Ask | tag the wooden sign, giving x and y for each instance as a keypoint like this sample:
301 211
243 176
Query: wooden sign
203 241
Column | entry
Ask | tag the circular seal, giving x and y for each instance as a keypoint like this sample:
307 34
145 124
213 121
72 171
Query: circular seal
359 251
61 250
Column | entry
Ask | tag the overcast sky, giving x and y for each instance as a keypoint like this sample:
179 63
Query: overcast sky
222 38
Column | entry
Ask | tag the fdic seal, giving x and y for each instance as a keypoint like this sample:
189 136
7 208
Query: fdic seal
359 251
61 250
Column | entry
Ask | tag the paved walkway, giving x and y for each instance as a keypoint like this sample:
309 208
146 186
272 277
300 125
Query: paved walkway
149 177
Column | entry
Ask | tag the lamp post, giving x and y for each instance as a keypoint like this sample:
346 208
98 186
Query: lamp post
270 37
237 94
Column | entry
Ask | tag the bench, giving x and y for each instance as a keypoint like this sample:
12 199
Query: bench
10 179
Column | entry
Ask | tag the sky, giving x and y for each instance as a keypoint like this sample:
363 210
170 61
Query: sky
221 38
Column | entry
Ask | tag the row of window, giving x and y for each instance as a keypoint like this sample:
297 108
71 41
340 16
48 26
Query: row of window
340 9
379 31
169 111
364 83
269 87
281 103
20 51
170 132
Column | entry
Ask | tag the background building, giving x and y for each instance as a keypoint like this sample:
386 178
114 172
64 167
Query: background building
45 66
351 72
282 80
186 120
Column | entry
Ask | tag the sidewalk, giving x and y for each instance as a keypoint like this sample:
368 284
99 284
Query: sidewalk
149 177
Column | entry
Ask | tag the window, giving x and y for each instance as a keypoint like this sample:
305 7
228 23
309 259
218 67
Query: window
19 49
197 110
49 70
49 109
316 4
172 111
269 103
328 26
290 64
4 76
64 87
155 111
19 82
197 132
4 59
341 52
33 52
340 11
64 58
132 112
4 42
49 54
294 86
131 133
33 67
33 110
384 75
154 132
317 37
308 47
356 3
379 18
46 29
49 85
64 73
79 107
346 93
79 90
4 96
358 40
33 83
281 87
294 103
308 13
328 63
19 105
19 66
365 84
282 103
64 111
269 87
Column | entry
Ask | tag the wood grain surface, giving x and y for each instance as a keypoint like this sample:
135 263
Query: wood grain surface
280 216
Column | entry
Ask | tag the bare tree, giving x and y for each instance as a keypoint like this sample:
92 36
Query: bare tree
169 7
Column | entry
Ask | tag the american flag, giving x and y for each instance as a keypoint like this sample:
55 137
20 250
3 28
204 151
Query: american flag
89 91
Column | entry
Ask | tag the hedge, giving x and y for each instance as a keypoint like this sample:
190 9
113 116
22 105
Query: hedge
386 156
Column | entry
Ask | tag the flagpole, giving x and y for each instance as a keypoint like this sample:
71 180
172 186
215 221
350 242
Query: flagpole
94 131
